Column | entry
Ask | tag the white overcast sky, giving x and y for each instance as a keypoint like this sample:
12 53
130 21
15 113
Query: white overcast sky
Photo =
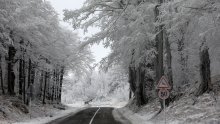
98 50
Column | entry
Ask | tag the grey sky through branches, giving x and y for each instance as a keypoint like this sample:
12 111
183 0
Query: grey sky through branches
98 50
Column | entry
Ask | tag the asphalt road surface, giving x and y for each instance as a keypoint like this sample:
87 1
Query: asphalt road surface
89 116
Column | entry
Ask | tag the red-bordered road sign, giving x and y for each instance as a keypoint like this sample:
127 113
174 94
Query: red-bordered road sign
163 94
163 83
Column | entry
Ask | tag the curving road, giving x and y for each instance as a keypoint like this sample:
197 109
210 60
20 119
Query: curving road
89 116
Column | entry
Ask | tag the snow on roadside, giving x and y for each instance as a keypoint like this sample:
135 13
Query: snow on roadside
78 104
134 118
58 114
124 114
109 103
188 110
13 110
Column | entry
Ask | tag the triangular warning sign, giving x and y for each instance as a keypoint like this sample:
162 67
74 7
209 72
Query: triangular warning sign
163 83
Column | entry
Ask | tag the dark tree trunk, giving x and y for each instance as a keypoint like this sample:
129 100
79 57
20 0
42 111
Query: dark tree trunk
137 91
169 62
11 75
169 72
130 94
31 76
142 82
57 85
132 78
53 87
21 76
61 83
29 72
45 87
24 81
32 82
159 46
148 89
205 73
21 69
2 82
41 83
48 94
139 94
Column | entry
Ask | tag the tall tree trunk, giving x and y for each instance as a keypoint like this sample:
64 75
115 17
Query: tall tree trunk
29 72
29 82
45 87
48 93
2 82
31 76
24 81
169 72
41 84
205 73
21 76
21 68
132 78
137 91
61 83
132 74
139 94
53 87
57 85
32 73
142 82
130 93
159 45
169 62
11 75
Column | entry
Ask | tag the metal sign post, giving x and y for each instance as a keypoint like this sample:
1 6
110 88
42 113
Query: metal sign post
163 93
164 105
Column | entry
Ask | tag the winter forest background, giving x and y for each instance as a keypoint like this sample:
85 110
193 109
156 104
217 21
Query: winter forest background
40 59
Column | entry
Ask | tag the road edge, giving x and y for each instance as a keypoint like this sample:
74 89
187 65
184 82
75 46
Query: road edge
118 116
65 116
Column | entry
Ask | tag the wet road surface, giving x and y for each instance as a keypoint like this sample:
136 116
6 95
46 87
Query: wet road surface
89 116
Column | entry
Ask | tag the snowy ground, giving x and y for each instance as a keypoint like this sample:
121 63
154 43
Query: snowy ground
56 115
112 103
187 110
100 103
12 110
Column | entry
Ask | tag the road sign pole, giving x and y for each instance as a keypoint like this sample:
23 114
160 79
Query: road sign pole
163 93
164 107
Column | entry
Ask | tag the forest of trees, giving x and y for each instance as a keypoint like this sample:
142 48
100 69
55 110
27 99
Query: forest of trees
98 86
148 39
36 52
151 38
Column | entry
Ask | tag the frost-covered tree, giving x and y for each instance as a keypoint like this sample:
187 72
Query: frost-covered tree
97 86
127 29
176 38
193 26
36 51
